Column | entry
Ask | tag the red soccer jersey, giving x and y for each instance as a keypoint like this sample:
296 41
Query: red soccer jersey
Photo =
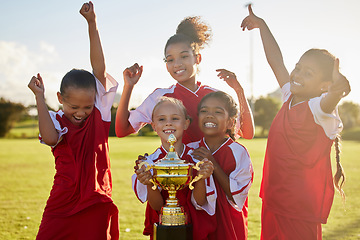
231 217
297 178
83 179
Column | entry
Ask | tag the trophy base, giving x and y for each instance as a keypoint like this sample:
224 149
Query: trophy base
181 232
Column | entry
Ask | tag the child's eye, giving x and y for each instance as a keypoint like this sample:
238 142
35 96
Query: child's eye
184 56
168 60
175 118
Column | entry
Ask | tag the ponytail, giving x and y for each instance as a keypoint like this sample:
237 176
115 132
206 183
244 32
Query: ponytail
339 175
192 31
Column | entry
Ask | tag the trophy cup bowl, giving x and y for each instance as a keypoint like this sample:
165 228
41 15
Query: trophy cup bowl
172 174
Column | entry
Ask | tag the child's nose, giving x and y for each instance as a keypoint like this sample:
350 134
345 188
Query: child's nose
178 62
81 113
210 115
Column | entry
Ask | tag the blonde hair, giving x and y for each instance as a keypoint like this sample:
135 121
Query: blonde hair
178 103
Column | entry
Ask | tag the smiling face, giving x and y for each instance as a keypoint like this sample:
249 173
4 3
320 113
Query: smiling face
78 104
168 119
307 80
214 120
181 63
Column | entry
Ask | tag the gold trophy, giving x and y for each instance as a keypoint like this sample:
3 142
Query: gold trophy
172 174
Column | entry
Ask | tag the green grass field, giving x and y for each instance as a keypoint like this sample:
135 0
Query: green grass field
27 169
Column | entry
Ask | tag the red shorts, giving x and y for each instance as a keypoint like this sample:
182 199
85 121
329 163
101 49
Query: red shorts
97 222
274 226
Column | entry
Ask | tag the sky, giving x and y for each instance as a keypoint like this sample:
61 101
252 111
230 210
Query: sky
51 37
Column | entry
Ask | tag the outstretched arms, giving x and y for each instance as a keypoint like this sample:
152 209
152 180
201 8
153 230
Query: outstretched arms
271 48
47 129
131 77
96 53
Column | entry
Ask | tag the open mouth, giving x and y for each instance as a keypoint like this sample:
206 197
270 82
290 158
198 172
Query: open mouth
296 83
78 120
209 125
169 131
180 71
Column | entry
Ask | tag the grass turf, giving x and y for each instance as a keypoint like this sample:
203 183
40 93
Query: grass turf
27 169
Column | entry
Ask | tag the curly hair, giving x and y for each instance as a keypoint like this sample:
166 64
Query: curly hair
193 31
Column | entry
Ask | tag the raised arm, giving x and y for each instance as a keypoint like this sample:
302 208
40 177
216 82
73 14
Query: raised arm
131 77
271 48
96 53
339 88
47 129
247 127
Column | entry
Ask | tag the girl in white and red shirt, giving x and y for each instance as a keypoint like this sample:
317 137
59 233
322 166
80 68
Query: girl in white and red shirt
80 204
170 117
297 187
182 57
233 171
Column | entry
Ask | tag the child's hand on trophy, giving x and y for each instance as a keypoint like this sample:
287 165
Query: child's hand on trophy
139 160
206 169
142 175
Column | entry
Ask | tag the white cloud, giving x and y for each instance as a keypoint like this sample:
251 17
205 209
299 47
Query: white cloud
18 64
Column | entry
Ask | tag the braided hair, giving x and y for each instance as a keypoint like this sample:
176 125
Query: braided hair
339 175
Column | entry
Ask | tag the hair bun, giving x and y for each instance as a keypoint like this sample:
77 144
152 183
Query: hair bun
198 31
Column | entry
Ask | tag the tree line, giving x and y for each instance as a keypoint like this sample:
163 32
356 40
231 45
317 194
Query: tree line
265 109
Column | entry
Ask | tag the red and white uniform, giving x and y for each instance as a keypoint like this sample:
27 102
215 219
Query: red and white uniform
82 182
201 217
297 179
231 216
142 114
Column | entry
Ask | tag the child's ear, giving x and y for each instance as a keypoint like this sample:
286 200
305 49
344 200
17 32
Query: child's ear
198 58
231 123
60 98
153 127
187 124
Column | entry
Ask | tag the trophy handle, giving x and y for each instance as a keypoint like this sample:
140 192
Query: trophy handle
148 167
198 177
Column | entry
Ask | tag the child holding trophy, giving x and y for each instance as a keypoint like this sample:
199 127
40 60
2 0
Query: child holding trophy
233 170
170 117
